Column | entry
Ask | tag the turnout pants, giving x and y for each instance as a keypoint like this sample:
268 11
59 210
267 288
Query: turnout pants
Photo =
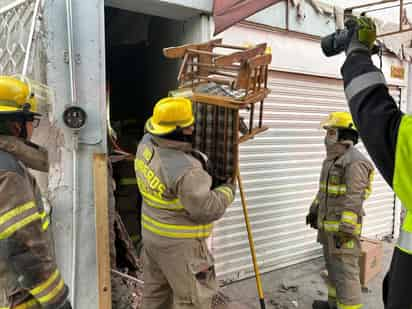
341 255
178 274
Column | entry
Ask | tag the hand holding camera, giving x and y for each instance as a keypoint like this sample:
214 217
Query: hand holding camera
359 35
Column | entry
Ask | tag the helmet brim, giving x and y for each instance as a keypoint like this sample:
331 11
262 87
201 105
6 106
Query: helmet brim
157 129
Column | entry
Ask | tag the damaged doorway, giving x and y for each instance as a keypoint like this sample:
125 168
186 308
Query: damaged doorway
137 76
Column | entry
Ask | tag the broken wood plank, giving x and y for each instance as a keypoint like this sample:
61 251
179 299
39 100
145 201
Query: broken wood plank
202 52
228 46
229 102
235 68
215 100
128 277
193 76
260 60
179 51
243 80
241 56
183 67
101 200
252 134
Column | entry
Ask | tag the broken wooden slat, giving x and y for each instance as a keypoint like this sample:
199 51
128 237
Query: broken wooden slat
216 100
101 200
179 51
217 80
230 46
260 60
231 102
242 55
202 52
252 134
243 80
183 67
235 68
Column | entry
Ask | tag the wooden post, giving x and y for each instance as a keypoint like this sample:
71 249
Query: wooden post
101 198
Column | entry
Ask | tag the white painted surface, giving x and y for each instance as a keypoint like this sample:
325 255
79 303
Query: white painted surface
173 9
292 53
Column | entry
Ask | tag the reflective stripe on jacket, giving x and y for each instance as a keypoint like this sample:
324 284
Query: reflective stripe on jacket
178 201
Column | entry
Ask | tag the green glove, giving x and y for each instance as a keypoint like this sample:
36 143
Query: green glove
363 34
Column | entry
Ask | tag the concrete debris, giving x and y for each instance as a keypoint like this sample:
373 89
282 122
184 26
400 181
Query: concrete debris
286 286
126 294
278 305
295 303
321 293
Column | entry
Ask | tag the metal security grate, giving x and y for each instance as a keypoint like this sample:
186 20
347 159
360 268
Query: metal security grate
17 31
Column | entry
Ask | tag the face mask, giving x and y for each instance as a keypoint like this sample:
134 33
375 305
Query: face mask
331 137
330 140
188 138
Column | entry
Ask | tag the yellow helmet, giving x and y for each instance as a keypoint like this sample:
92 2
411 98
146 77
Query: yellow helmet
169 114
16 97
340 120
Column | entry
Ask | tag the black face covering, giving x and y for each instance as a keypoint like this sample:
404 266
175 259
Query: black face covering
178 135
348 135
20 117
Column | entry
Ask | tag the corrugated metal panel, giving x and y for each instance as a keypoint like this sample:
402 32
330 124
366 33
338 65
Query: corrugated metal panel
280 169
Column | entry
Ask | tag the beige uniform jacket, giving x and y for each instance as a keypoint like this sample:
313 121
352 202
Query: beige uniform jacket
27 261
345 183
178 201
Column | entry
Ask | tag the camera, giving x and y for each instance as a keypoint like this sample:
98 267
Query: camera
335 43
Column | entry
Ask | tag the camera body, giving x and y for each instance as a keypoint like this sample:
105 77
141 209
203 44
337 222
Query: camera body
335 43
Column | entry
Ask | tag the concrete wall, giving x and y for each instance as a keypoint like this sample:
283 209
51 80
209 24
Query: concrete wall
89 50
90 76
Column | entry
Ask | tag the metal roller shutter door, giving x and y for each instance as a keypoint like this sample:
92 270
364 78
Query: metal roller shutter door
280 171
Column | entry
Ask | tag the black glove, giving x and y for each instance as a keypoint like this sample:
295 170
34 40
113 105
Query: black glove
363 35
312 220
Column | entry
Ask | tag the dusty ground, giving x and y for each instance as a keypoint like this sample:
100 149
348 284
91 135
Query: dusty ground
305 285
288 288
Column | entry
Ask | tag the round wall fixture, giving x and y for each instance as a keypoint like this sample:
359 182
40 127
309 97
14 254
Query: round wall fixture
75 117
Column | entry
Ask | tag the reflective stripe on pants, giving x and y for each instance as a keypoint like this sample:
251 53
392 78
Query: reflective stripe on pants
342 306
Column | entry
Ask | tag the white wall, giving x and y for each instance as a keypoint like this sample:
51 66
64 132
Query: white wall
173 9
293 53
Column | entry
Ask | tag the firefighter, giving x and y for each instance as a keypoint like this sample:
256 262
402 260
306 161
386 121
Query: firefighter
387 135
179 208
337 211
29 277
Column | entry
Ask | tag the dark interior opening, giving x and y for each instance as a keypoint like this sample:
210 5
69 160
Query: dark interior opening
138 75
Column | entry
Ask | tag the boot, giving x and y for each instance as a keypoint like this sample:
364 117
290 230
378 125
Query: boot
321 304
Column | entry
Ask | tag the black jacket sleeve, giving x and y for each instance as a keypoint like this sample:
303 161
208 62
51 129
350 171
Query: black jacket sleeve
374 111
